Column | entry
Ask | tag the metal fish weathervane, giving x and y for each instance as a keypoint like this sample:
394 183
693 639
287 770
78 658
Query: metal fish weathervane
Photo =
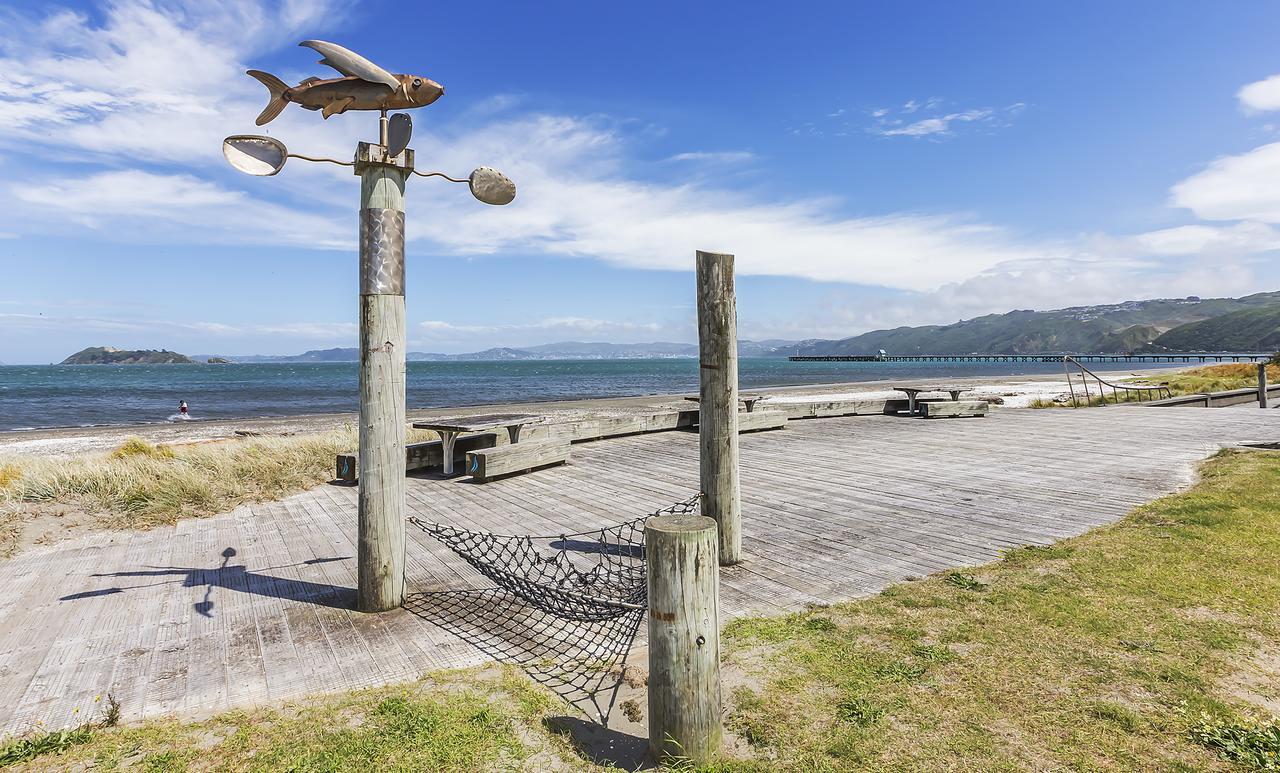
365 86
383 168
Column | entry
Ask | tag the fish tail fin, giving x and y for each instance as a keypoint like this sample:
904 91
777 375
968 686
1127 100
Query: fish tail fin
277 88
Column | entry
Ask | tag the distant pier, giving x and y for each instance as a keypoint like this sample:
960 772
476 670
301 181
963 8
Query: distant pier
1204 357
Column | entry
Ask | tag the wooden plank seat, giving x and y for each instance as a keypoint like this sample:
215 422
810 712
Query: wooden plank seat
485 464
418 456
953 408
758 421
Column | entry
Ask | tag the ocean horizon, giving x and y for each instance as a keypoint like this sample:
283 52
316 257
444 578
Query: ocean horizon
51 396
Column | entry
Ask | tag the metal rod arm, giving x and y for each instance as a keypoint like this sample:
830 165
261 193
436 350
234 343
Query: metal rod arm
439 174
325 160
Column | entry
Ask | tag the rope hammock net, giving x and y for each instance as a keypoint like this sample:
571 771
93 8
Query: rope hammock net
588 576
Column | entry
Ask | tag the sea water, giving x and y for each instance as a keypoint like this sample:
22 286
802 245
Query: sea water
35 396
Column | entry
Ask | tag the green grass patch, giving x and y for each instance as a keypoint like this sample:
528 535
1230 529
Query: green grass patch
1254 744
964 581
457 722
25 749
1094 653
858 711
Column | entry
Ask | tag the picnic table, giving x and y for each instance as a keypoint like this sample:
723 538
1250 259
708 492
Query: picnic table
747 400
451 427
913 391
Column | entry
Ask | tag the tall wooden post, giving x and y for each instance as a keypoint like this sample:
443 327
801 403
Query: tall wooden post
381 549
684 637
718 401
1262 385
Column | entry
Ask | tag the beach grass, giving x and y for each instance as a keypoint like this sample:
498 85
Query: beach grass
1211 378
139 484
1151 644
1218 378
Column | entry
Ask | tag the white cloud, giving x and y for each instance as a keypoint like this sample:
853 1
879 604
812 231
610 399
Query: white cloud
1239 239
45 323
156 80
574 201
1260 96
148 207
938 126
1050 284
722 157
1239 187
559 325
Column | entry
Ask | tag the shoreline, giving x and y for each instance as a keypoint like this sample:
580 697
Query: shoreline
58 441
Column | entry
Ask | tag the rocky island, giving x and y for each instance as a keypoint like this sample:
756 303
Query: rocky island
109 355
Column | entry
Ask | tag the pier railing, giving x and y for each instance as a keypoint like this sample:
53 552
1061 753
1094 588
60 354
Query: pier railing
1188 357
1130 391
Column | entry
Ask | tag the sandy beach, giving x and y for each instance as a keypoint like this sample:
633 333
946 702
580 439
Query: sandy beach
1014 392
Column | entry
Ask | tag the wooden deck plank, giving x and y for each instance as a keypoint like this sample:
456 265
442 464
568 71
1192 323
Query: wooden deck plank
833 509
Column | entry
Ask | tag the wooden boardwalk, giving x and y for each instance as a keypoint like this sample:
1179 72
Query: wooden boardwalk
254 606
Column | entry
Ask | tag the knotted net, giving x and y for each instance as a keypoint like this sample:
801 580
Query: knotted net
566 608
588 576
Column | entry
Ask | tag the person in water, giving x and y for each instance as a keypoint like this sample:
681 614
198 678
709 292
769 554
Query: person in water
182 407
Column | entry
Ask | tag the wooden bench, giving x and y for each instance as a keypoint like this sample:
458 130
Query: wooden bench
758 421
420 455
486 464
953 408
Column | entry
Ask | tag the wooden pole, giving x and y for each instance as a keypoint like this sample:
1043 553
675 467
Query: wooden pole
684 638
718 401
381 530
1262 385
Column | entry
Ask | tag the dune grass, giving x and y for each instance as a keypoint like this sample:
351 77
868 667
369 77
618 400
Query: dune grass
1218 378
1151 644
1211 378
140 485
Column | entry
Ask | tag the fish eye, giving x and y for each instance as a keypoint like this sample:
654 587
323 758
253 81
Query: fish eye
417 83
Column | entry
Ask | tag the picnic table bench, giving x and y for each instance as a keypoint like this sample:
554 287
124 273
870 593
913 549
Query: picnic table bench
914 391
485 464
451 427
954 408
749 401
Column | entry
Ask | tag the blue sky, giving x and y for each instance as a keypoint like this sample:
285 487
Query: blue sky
870 164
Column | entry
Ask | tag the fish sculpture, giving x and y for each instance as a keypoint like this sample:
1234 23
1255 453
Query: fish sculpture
365 86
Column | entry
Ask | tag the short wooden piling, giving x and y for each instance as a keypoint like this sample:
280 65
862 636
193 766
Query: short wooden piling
684 638
1262 385
718 401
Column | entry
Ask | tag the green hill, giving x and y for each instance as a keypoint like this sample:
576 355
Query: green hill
1250 330
106 355
1110 328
